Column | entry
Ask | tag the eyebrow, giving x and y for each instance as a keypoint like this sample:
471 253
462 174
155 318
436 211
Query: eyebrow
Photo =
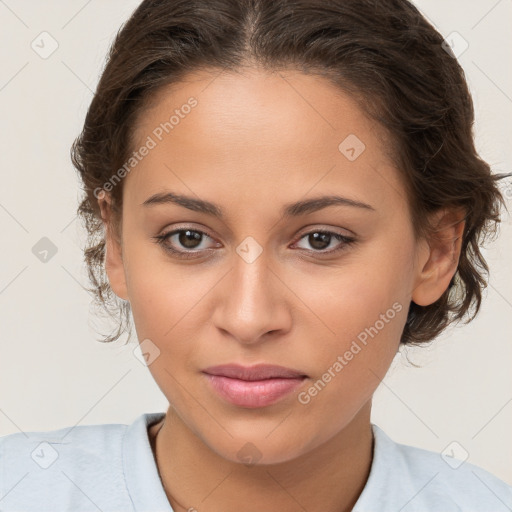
289 210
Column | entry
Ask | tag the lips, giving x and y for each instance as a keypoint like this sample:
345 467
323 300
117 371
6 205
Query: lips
253 386
257 372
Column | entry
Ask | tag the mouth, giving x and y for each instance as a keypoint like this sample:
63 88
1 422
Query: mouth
255 386
252 373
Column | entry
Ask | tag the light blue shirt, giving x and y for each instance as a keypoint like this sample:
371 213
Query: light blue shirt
111 468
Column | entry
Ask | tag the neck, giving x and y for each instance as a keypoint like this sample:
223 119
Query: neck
329 478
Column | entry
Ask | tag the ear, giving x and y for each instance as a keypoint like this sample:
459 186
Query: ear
439 256
114 265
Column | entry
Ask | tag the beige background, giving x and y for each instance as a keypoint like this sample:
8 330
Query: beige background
52 371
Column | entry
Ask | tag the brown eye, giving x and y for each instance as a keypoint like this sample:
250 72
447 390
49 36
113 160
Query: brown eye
321 240
184 242
189 239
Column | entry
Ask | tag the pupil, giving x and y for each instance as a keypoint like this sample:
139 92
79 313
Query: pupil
320 240
188 238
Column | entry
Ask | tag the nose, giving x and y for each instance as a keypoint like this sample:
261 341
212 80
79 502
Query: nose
252 302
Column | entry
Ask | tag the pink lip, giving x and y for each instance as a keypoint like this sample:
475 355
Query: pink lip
255 386
256 372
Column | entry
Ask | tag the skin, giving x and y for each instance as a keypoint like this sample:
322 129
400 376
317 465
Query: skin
255 142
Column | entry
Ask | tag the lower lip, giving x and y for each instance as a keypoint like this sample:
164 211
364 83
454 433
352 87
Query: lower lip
253 394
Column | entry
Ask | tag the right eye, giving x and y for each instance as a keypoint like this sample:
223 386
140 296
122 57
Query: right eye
184 242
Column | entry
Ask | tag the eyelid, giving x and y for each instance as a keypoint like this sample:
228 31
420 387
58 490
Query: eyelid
343 242
186 227
313 228
163 238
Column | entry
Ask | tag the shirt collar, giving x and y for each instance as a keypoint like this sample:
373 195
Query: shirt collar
147 492
140 470
379 489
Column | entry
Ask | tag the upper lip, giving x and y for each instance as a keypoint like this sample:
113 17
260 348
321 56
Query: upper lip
256 372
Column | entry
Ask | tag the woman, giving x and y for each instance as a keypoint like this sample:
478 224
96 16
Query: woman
281 194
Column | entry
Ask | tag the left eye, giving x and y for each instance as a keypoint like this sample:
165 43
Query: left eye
321 240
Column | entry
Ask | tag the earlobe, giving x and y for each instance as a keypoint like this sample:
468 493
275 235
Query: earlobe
114 265
440 257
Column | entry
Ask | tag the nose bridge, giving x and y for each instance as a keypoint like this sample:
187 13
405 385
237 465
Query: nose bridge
252 281
251 305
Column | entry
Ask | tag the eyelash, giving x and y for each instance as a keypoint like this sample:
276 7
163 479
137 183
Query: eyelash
162 239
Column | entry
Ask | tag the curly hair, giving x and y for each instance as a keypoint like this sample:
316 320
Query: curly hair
383 53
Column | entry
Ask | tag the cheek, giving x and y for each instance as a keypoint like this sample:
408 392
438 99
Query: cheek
371 288
164 303
365 310
162 293
352 362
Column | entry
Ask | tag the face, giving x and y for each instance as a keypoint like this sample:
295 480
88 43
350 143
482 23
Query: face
269 273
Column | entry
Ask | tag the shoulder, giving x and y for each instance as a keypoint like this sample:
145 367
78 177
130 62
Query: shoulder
470 487
410 479
76 466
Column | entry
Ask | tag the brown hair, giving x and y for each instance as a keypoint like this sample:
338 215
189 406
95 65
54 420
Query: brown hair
382 52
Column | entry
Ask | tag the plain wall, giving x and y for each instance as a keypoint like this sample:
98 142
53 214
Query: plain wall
53 372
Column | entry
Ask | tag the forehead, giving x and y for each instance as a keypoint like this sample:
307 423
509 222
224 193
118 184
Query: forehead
217 134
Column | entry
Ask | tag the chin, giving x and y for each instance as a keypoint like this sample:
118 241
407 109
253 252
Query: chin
258 449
